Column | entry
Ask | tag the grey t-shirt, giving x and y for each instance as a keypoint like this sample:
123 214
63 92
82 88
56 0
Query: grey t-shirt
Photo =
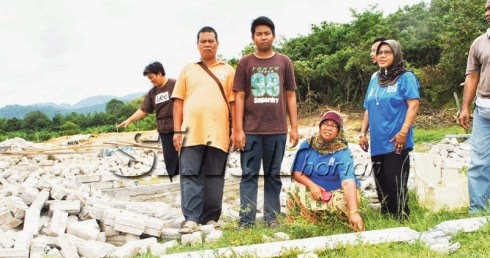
479 61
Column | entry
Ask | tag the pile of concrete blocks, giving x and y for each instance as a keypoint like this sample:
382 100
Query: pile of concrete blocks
36 222
75 206
441 181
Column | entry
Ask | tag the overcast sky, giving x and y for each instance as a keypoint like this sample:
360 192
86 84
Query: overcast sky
63 51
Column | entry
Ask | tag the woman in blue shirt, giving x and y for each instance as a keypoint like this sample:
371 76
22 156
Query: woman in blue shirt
324 173
391 103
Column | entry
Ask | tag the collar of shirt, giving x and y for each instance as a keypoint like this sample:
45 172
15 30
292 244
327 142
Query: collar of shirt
488 33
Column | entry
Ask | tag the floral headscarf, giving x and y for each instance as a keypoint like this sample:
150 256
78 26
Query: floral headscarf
328 147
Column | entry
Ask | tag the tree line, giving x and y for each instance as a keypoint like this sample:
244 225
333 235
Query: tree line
333 67
37 126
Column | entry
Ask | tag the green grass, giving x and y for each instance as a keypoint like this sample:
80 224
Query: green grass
436 135
475 244
424 138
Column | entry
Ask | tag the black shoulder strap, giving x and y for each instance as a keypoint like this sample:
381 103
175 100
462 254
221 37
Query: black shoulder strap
220 86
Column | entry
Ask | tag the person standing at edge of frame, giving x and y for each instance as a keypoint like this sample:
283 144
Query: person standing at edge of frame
158 100
265 89
203 100
374 48
477 83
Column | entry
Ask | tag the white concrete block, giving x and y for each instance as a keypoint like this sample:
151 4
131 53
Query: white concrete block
72 206
32 221
58 192
23 240
128 229
5 240
38 247
68 249
214 236
14 252
310 244
153 232
438 189
118 240
40 200
17 206
88 230
29 194
102 237
58 223
132 248
131 237
11 224
55 253
88 178
109 230
95 249
5 216
130 223
157 249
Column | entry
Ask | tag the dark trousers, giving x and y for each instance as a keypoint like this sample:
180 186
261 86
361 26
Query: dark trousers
202 171
391 172
170 155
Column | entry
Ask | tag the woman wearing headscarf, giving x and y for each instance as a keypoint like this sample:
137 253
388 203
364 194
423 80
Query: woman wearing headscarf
324 181
391 103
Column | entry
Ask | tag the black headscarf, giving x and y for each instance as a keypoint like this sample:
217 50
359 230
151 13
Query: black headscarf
388 76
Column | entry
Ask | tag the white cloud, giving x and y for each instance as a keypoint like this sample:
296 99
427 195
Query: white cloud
63 51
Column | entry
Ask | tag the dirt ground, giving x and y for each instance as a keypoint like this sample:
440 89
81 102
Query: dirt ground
352 125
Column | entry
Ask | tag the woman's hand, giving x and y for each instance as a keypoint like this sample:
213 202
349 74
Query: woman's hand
355 222
400 140
316 192
363 142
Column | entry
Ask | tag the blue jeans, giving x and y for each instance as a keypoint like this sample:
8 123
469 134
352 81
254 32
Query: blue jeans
479 170
270 150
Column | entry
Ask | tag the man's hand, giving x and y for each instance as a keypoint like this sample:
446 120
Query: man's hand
239 140
178 141
293 138
125 123
464 119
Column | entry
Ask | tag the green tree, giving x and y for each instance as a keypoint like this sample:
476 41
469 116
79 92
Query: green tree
13 124
35 121
57 121
3 125
114 109
463 21
69 128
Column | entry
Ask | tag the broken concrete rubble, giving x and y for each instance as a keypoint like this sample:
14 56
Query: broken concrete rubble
74 205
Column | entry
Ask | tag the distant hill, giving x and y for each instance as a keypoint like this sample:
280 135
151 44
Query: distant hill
85 106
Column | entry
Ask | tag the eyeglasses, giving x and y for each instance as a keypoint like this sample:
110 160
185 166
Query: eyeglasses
385 52
330 126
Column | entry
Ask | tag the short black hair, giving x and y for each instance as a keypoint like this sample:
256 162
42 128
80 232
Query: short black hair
207 29
381 39
263 20
155 68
